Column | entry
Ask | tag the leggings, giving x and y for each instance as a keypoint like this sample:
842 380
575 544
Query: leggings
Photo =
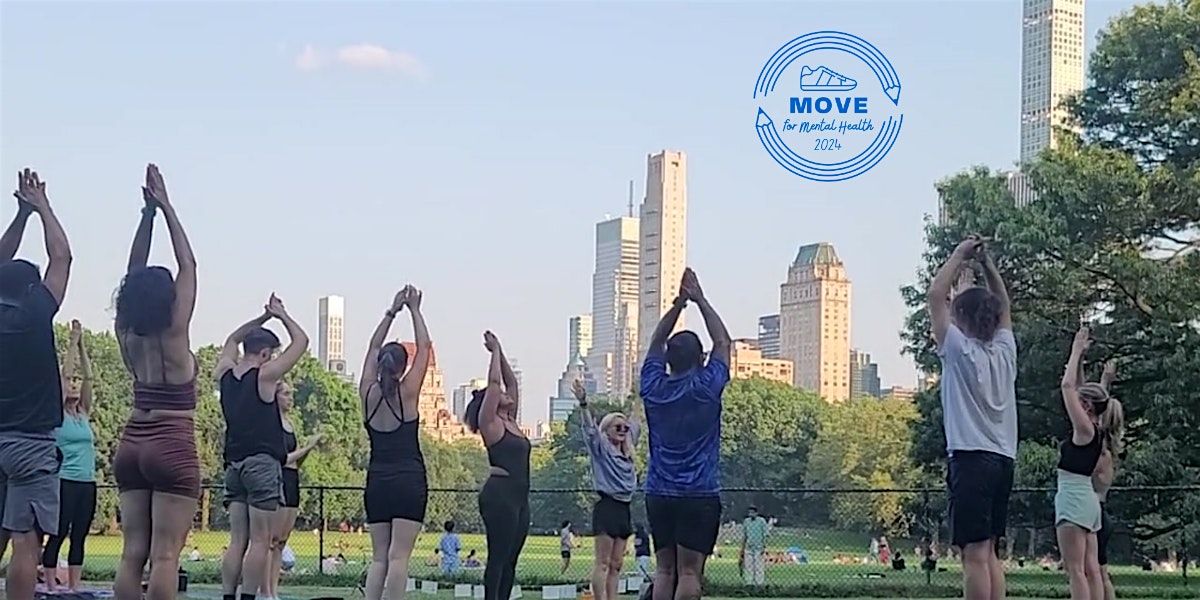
504 506
77 508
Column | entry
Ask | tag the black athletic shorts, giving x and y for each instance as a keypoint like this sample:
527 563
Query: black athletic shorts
979 483
395 495
566 554
611 517
291 488
1103 535
691 523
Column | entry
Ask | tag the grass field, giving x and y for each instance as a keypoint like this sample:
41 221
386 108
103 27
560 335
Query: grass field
540 563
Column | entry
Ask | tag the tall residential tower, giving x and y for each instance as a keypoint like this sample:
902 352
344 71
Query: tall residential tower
1052 55
614 301
814 327
331 312
663 240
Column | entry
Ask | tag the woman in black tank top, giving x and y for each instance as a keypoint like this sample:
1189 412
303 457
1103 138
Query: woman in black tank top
396 491
504 499
286 516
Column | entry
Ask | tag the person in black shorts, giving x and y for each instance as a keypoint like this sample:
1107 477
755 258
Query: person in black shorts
682 398
286 517
396 492
978 352
255 449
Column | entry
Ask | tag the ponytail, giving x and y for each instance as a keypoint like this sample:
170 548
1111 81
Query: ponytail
393 358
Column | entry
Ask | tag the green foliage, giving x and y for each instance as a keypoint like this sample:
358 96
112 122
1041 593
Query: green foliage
1113 238
865 443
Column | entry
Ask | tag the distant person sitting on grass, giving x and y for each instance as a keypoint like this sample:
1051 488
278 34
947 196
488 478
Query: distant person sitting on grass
450 547
195 555
898 562
472 562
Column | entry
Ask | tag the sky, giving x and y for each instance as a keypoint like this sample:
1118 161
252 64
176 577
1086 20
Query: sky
316 148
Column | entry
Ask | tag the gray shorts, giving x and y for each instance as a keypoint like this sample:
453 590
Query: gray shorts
28 482
256 480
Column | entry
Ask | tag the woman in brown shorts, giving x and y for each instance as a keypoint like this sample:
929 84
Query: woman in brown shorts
156 465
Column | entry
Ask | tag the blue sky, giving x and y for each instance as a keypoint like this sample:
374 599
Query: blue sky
350 148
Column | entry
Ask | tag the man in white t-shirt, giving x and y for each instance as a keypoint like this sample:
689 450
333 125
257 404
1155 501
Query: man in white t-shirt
979 406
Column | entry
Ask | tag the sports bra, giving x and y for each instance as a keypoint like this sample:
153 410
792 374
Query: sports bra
1081 460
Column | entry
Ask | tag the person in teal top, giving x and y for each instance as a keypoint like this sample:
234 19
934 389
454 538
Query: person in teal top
77 475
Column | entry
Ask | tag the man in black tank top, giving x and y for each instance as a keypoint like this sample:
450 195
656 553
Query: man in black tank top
254 443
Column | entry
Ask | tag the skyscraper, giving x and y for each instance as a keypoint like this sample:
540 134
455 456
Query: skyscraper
746 360
814 328
1052 55
768 336
864 375
564 403
614 297
579 331
663 240
519 375
331 312
462 395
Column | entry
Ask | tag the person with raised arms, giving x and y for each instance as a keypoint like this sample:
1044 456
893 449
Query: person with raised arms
255 448
396 494
614 478
77 443
286 517
979 404
31 395
682 398
504 499
1112 423
156 464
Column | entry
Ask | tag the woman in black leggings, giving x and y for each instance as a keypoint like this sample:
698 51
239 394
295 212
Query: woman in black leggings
77 476
504 499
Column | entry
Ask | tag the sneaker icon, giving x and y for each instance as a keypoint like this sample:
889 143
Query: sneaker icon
824 79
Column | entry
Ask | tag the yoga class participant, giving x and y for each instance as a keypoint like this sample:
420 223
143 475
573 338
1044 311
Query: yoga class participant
614 478
255 450
979 404
504 499
31 395
77 489
156 465
396 494
1112 423
286 517
682 398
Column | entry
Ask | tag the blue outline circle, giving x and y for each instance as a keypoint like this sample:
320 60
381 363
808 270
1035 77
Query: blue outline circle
856 165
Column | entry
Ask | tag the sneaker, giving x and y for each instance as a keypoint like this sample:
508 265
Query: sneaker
824 79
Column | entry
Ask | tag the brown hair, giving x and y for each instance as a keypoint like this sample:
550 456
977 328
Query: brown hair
977 310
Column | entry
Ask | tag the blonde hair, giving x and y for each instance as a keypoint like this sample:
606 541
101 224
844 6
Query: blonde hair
607 421
1112 423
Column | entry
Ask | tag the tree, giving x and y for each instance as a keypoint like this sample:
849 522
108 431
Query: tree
1113 238
767 432
865 443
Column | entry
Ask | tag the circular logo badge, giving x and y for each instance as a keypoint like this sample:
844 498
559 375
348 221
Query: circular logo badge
828 106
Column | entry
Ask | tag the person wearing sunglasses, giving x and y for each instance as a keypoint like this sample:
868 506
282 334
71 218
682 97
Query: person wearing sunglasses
614 478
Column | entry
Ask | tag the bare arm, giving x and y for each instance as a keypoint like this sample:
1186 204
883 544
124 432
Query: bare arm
85 391
71 358
371 360
658 340
58 271
510 380
185 279
10 242
722 343
938 298
1109 375
490 425
276 368
996 284
229 352
139 253
298 455
586 417
1082 430
416 375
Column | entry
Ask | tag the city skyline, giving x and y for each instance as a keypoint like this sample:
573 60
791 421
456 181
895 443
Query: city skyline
397 182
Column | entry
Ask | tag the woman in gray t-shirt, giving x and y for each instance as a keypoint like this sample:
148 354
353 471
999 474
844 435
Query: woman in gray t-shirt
614 477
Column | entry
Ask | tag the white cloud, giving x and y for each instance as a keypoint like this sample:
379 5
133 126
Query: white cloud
363 57
310 59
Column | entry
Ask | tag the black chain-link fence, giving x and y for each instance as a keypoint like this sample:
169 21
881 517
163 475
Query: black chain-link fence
853 542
